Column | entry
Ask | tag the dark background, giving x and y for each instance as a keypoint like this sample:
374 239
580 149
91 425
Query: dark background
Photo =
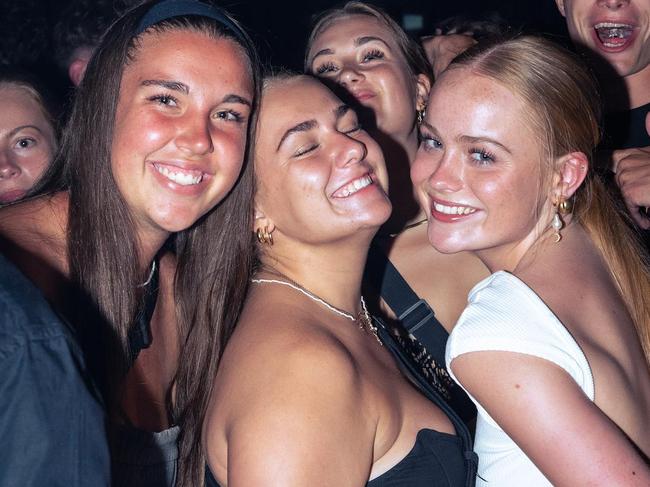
279 27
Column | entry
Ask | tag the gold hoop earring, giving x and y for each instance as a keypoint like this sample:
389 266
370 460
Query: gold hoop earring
264 236
419 115
565 207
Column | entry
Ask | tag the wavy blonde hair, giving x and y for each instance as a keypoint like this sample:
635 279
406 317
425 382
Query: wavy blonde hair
565 111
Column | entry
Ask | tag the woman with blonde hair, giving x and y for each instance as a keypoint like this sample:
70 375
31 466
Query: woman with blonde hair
553 347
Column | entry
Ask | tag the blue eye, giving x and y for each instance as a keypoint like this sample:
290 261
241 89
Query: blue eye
428 142
481 156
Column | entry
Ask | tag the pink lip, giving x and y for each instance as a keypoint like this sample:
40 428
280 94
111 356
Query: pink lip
363 95
12 195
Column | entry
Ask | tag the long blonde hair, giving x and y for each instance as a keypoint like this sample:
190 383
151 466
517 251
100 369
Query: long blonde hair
565 110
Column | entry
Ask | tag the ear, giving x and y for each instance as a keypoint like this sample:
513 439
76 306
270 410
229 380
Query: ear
422 87
76 70
261 221
571 172
560 7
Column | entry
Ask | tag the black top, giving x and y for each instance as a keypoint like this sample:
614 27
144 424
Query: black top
52 422
625 130
436 460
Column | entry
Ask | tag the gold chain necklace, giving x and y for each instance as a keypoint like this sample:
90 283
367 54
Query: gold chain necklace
362 319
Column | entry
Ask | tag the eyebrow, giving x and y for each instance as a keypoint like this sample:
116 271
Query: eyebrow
359 41
468 138
18 129
307 125
170 85
473 140
232 98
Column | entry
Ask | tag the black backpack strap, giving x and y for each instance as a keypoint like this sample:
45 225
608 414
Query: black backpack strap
414 313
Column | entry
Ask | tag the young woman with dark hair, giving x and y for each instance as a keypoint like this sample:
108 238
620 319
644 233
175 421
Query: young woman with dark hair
554 346
307 392
154 153
370 61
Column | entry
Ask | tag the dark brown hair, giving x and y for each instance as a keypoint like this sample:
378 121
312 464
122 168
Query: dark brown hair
213 256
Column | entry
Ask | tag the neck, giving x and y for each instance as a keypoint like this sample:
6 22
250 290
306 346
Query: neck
638 87
149 244
625 93
332 272
399 152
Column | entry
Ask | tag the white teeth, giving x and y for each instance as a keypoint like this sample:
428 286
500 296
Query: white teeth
182 178
610 25
453 210
355 186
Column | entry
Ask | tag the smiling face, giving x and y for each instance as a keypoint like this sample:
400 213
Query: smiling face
478 169
27 142
360 54
320 177
180 127
618 30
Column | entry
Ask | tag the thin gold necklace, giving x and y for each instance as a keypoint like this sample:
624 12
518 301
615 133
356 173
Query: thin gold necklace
362 319
408 227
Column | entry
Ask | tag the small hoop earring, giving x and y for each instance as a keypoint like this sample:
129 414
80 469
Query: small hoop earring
419 115
264 236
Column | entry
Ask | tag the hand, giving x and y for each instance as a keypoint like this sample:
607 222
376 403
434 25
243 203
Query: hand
632 168
442 49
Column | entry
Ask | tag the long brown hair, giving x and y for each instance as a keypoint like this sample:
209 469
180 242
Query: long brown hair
213 256
565 111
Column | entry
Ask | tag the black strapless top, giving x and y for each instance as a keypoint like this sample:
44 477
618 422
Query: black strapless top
436 460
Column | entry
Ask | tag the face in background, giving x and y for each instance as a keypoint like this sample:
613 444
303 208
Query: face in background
180 128
617 30
360 54
27 141
320 177
478 171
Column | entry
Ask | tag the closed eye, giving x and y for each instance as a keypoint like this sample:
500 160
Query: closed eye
306 150
372 55
326 68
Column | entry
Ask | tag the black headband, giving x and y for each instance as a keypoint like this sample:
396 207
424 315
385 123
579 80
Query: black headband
168 9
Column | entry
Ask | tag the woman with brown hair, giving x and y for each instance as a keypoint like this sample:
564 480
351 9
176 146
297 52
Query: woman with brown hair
554 346
307 392
368 59
154 155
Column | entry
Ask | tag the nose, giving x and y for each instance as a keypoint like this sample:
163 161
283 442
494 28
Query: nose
350 151
350 74
447 176
194 135
8 168
614 4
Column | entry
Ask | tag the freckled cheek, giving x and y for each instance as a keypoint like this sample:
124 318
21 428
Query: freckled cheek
34 164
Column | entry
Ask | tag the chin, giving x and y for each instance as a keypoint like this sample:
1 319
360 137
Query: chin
446 245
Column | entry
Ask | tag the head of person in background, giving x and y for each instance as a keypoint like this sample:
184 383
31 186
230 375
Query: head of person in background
506 175
454 35
618 32
28 133
368 59
77 32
